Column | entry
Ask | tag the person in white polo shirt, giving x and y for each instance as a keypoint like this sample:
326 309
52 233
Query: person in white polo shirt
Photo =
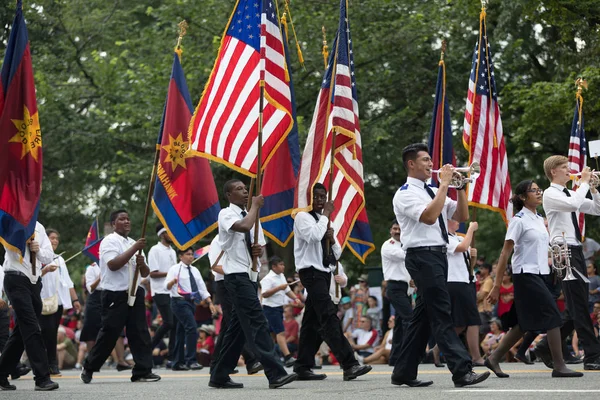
160 258
274 289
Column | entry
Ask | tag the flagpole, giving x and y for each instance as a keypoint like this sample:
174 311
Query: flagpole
258 164
73 256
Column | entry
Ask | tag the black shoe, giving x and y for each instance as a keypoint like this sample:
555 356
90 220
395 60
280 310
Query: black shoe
497 371
543 353
356 371
410 382
566 374
54 371
439 365
471 378
123 367
195 366
574 360
86 376
4 385
149 377
289 362
523 358
20 371
180 367
284 380
254 368
235 371
310 376
593 365
46 386
227 385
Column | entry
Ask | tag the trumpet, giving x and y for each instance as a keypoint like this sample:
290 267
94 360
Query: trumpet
561 258
594 180
458 179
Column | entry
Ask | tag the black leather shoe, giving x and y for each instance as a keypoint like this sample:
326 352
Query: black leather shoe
46 386
543 353
4 385
20 371
566 374
254 368
471 378
284 380
54 371
149 377
593 365
123 367
356 371
86 376
523 359
227 385
497 371
180 367
410 382
195 366
310 376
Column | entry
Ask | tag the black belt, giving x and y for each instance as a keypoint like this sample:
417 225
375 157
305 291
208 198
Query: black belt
17 273
437 249
575 246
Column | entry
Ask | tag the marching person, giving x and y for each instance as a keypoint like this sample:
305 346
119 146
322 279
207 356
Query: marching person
92 316
119 259
320 321
23 289
186 288
423 213
398 281
274 289
160 258
57 287
217 259
4 318
563 207
461 287
247 323
534 305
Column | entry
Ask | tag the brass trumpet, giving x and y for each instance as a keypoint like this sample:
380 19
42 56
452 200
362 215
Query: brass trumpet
561 258
458 179
594 180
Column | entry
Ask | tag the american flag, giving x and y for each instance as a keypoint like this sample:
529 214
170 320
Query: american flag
482 134
578 149
225 124
336 113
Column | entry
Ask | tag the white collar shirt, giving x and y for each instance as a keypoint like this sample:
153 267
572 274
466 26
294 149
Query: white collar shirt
181 272
160 258
112 246
58 282
239 259
392 261
558 208
269 282
409 203
458 271
332 288
92 273
528 232
213 255
13 262
308 250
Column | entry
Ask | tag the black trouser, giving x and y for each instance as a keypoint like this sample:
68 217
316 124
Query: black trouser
4 327
186 335
25 299
247 324
576 315
320 323
49 325
163 303
396 293
226 306
432 315
116 315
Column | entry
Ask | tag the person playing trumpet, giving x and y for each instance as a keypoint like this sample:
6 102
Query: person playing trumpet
534 305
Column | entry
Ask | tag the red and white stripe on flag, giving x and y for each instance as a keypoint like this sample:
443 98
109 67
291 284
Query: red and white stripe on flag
224 127
578 150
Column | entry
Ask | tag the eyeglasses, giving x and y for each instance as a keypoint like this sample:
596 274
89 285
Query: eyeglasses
536 191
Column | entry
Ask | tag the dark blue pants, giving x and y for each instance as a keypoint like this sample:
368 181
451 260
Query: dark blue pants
163 303
396 293
185 331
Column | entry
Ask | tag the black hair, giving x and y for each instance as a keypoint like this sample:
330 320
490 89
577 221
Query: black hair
319 186
486 266
274 261
182 252
376 301
521 190
159 226
394 222
115 214
227 187
52 230
409 153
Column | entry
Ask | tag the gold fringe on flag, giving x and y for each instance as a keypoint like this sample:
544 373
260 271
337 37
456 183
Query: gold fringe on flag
285 27
300 56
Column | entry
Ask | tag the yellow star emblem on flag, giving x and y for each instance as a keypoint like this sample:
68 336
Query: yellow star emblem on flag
28 134
177 151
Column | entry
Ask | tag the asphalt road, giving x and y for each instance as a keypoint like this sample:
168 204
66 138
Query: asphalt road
526 381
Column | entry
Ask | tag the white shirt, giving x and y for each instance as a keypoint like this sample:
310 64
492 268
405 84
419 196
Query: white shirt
365 337
44 256
239 259
270 281
528 232
112 246
332 294
92 273
558 208
590 247
308 233
388 343
213 254
160 258
180 271
409 203
457 267
392 261
58 282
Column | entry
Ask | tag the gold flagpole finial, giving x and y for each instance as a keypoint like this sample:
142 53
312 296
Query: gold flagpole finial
581 84
443 52
484 4
182 28
325 47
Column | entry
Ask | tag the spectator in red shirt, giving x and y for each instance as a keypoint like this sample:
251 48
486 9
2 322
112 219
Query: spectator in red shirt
205 346
291 328
507 294
363 339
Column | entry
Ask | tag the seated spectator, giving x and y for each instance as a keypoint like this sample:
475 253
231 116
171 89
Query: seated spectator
491 340
594 286
483 306
348 318
374 312
66 352
507 294
381 355
160 351
292 329
363 339
206 344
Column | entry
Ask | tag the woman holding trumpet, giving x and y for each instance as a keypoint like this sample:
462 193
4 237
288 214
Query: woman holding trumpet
534 305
